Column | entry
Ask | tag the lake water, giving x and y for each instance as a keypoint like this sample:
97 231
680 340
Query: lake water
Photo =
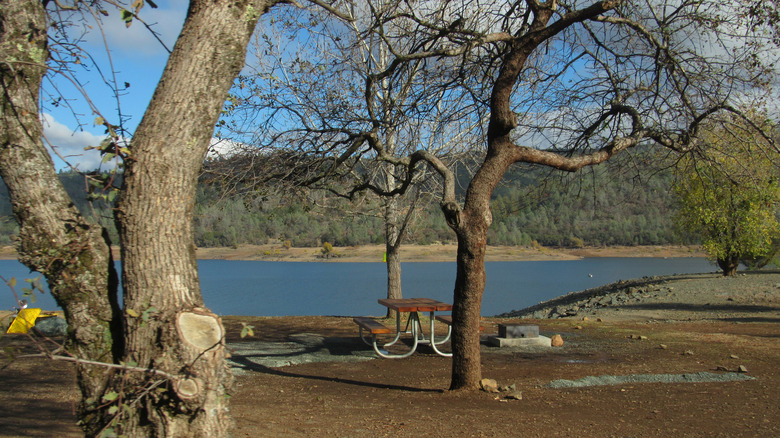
320 288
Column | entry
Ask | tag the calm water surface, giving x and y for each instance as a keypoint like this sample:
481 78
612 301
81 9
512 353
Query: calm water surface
317 288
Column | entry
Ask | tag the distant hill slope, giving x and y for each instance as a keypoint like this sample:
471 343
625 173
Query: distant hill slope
607 205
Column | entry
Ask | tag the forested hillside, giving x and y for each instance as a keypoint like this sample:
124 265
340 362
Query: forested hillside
603 206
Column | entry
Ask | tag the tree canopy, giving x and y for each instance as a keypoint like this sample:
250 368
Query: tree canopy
729 192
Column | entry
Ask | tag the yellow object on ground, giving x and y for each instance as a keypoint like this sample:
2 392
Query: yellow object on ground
24 321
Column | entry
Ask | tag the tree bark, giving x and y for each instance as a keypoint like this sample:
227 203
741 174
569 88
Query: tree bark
167 326
392 247
71 252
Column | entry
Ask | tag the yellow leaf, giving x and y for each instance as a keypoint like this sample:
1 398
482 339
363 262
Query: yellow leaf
133 313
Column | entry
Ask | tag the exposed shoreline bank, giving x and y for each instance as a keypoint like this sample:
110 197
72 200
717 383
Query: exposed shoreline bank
437 253
420 253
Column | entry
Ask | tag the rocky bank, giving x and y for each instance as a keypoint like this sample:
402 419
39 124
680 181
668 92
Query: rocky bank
749 296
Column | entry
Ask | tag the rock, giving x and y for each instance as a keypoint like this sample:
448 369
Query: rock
577 327
662 346
734 356
489 385
688 353
515 395
53 326
513 331
556 341
742 369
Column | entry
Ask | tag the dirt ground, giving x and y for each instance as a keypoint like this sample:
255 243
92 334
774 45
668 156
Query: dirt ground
703 324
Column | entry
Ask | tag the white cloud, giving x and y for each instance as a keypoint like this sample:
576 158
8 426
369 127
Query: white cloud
69 145
66 144
223 148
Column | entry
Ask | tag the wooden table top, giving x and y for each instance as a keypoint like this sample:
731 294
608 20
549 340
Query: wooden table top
415 304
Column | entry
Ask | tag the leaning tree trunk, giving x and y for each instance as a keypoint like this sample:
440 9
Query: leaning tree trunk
168 327
54 239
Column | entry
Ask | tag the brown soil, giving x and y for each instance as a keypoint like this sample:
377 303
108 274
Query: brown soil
408 397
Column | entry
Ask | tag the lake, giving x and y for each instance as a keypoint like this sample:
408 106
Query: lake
320 288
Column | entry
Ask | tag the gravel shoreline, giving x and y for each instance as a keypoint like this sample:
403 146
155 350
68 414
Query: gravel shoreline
749 296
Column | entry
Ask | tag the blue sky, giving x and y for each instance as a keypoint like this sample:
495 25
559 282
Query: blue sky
138 59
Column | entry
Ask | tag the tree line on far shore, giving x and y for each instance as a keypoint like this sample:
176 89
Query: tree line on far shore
605 206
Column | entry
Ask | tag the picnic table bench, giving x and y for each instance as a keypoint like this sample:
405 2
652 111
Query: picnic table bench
370 325
413 326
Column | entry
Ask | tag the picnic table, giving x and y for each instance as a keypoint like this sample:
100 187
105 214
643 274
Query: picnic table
413 325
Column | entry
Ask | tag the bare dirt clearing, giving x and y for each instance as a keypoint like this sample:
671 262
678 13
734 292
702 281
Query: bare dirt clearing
368 398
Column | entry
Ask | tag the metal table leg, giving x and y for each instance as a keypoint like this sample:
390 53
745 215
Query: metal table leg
414 321
433 338
397 329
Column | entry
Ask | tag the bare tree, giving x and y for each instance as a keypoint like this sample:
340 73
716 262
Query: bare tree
322 86
165 373
570 84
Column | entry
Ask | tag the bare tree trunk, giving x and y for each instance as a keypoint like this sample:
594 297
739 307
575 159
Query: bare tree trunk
54 239
392 247
471 226
393 233
168 327
467 306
